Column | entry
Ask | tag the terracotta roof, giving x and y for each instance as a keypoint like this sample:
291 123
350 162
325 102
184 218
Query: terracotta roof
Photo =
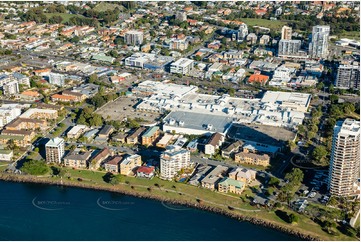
146 169
101 154
59 96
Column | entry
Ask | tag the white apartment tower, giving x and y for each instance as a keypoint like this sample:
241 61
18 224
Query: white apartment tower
318 48
286 33
54 150
243 31
134 37
172 161
345 158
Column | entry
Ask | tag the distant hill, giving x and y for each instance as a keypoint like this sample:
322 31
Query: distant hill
104 6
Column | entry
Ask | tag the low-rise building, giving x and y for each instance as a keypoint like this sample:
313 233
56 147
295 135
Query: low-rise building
105 132
76 131
27 124
230 185
243 174
134 138
128 165
113 165
214 177
150 135
77 159
146 172
97 160
214 142
252 159
164 141
17 139
6 155
229 151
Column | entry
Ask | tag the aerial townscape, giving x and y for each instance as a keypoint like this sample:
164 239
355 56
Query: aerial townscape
246 108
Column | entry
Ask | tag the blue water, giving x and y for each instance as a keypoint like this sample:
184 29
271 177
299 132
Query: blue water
41 212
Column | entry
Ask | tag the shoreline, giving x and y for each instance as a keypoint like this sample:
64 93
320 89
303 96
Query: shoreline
229 213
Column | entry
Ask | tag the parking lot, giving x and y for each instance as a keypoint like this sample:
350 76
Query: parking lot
124 107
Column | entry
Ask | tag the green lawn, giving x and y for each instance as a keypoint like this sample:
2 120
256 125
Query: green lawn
104 6
65 16
350 34
3 165
272 24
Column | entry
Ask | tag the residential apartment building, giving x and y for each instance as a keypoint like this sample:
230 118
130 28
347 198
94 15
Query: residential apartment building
230 185
252 159
97 160
211 180
289 47
264 40
57 79
172 160
214 142
54 150
18 140
133 37
11 88
76 131
8 114
182 66
77 159
243 31
178 44
243 174
251 38
130 163
344 171
318 48
27 124
181 16
135 137
348 76
286 33
113 165
150 135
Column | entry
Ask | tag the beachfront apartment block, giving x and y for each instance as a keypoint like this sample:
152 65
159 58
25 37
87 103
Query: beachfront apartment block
77 159
344 171
230 185
214 177
54 150
243 174
130 163
113 165
172 160
182 66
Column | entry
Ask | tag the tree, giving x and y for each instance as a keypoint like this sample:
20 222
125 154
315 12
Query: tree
293 218
334 99
96 120
34 167
295 177
319 153
273 181
75 39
